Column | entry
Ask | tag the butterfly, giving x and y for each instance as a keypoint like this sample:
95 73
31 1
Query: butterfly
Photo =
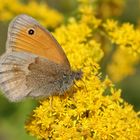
34 64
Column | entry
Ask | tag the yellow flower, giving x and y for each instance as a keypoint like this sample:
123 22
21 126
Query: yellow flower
72 40
122 65
109 8
86 114
126 55
47 16
125 36
103 8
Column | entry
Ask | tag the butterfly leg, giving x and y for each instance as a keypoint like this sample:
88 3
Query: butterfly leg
51 102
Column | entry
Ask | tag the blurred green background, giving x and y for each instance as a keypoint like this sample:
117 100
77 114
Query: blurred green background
13 115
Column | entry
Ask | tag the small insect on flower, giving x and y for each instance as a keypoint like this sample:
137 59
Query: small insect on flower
34 64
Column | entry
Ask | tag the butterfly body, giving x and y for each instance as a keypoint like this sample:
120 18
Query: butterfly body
34 64
47 78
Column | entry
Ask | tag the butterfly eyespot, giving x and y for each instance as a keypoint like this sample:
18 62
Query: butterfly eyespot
64 76
31 31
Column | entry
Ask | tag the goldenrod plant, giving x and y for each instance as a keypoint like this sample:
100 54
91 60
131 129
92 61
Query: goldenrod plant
94 108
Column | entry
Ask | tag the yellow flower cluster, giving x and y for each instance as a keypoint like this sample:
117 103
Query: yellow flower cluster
47 16
109 8
104 8
122 65
93 109
71 37
125 36
86 115
126 56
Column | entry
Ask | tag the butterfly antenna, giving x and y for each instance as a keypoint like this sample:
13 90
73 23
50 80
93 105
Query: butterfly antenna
76 85
85 85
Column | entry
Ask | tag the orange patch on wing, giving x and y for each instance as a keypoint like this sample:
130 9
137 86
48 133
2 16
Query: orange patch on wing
41 43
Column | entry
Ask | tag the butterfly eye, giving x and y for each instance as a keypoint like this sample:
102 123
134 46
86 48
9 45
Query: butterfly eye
64 76
31 31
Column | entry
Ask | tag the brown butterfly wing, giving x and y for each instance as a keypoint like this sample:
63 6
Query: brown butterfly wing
27 35
13 71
